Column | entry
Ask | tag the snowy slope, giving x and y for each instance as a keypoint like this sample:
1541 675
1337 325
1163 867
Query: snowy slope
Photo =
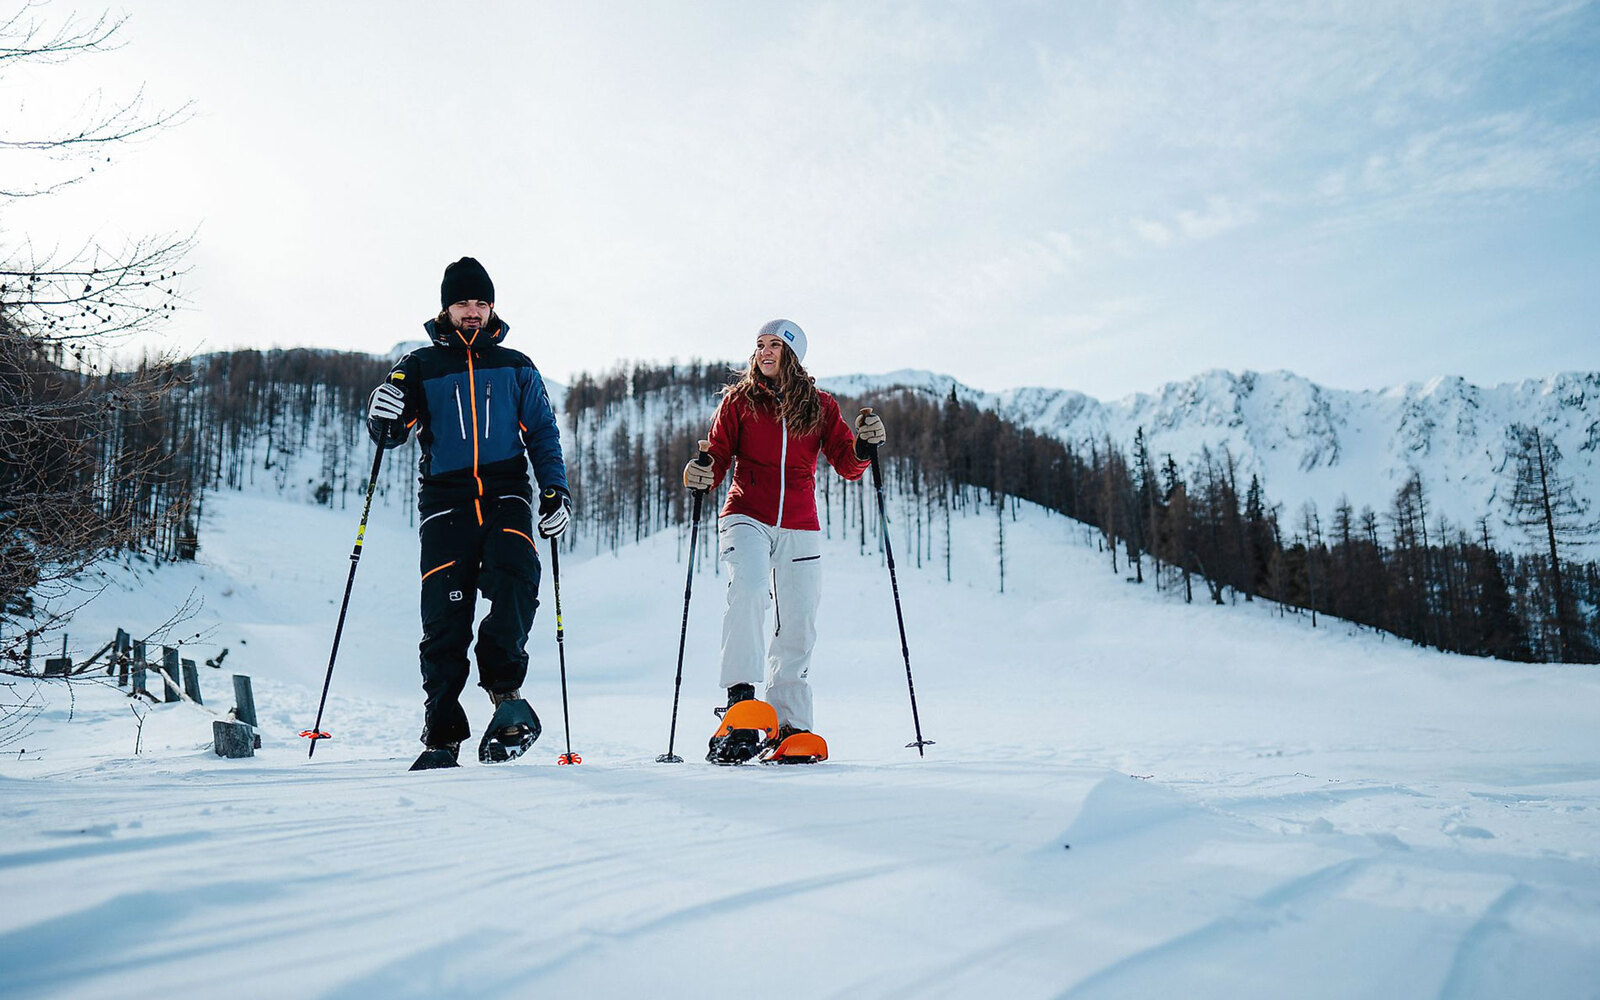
1128 796
1310 443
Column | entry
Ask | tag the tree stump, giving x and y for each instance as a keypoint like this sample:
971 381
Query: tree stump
233 739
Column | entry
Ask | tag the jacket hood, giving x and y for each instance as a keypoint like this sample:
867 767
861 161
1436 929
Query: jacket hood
445 335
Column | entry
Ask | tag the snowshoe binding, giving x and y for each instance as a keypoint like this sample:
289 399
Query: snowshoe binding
511 731
796 746
746 728
736 694
437 757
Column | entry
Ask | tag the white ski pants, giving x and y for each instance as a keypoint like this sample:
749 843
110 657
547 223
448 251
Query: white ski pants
766 563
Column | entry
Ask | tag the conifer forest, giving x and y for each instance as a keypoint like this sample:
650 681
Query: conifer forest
95 464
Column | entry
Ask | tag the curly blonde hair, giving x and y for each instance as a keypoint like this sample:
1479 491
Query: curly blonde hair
792 396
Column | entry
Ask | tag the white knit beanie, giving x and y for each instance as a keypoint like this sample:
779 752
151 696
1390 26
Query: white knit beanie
790 333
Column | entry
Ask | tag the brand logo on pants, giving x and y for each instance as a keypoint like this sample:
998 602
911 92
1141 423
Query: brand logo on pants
455 595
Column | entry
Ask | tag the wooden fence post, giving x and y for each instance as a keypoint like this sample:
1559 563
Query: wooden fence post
124 648
139 664
244 700
59 666
191 681
169 664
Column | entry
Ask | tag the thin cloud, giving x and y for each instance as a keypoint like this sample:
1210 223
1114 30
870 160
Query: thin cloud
647 179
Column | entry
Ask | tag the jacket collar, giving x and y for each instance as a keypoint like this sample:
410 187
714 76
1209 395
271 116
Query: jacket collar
445 335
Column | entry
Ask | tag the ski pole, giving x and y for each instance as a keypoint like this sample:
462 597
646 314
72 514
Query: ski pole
702 459
888 552
315 733
561 647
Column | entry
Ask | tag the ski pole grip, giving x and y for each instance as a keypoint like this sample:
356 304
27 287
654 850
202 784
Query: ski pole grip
391 426
872 449
701 460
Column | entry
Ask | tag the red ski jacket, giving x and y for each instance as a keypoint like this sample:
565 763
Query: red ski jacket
775 472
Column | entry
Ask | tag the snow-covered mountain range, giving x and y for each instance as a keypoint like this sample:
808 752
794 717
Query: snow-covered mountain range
1311 443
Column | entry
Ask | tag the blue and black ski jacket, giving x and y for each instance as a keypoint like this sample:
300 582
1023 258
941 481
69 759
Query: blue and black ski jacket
481 414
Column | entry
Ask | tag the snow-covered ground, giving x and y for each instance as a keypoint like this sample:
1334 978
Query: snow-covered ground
1128 797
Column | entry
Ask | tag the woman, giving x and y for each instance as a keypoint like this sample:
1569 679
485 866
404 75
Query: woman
770 427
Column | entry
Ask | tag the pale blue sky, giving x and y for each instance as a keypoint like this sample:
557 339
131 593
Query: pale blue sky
1099 196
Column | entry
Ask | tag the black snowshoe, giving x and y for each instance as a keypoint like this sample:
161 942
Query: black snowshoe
511 732
437 757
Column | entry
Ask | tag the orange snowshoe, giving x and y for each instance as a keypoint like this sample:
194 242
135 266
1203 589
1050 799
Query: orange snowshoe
799 748
747 727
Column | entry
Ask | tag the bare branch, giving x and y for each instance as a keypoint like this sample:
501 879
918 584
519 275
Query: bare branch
23 39
97 293
122 123
40 192
17 712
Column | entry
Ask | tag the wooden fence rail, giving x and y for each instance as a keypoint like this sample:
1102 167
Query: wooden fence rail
233 735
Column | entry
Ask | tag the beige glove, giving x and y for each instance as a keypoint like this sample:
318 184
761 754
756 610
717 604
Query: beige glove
869 428
697 476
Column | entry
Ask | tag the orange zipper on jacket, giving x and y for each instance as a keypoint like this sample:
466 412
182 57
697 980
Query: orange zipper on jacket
472 391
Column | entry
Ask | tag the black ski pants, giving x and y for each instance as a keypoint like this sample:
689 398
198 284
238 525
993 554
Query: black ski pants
485 547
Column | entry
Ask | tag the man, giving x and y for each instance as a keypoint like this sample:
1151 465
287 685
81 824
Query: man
482 416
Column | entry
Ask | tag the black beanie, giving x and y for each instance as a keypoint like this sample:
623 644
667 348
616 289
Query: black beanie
463 280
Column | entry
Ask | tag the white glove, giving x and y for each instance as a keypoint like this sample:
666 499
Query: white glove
697 476
387 403
554 513
869 428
